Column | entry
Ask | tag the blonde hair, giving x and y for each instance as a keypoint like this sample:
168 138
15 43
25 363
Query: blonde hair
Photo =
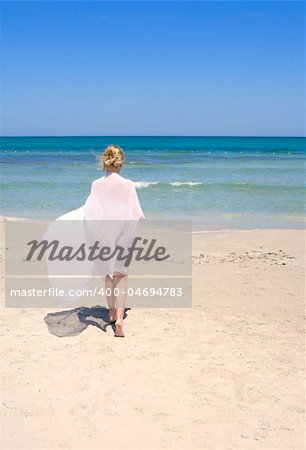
113 156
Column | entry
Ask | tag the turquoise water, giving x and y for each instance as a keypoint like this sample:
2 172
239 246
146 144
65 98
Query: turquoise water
218 182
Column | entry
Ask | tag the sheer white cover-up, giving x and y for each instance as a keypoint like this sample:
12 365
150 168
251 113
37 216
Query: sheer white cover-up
113 197
111 214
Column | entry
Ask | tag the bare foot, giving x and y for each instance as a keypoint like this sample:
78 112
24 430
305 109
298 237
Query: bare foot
112 315
119 329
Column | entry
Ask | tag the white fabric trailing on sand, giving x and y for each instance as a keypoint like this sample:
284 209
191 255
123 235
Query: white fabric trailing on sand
110 216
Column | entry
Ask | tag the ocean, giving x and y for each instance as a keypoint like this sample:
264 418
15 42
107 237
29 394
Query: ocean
218 182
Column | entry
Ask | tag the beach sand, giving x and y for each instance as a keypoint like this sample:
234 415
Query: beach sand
226 374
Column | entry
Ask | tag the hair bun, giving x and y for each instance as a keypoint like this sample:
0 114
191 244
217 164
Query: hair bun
109 161
113 156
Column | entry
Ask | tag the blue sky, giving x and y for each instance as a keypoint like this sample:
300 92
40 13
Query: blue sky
152 68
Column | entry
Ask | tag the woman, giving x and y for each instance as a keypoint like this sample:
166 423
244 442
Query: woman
114 199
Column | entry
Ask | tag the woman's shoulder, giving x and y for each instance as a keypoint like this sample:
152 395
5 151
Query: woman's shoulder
127 180
98 180
124 180
115 177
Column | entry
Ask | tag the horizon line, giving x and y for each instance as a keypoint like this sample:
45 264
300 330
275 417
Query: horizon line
151 136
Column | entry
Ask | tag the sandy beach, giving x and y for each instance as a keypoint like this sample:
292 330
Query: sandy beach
165 141
226 374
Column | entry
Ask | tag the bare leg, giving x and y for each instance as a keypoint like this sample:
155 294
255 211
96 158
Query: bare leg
120 282
111 300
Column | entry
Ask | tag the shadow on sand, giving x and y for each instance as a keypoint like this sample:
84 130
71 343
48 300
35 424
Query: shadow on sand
74 321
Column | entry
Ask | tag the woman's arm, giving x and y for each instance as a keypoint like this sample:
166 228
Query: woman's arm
136 208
